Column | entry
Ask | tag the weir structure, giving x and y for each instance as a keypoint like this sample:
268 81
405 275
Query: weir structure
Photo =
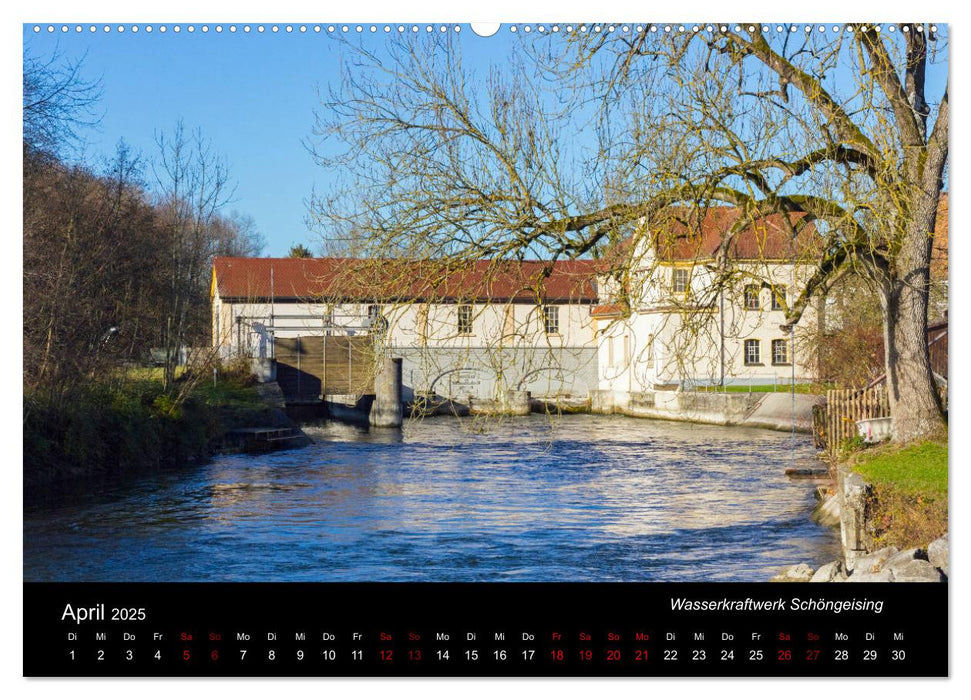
386 411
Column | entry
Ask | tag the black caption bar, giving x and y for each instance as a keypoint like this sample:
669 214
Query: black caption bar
475 629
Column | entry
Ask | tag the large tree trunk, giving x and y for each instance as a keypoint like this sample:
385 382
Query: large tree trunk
914 402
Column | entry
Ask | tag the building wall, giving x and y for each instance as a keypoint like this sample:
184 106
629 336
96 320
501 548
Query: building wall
675 338
507 346
669 338
487 372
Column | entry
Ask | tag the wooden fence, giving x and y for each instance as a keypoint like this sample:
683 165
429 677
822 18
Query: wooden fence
844 407
937 348
835 422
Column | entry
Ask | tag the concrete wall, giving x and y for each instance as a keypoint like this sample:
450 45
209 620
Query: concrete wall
771 411
780 412
488 373
507 350
698 407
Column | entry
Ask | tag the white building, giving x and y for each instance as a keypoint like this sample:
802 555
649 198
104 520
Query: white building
474 332
672 313
684 316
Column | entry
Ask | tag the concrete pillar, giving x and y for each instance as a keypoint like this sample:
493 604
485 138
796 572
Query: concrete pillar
264 369
516 402
854 495
386 409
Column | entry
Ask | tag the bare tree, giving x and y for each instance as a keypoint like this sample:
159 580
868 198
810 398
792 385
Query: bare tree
193 183
91 266
236 235
590 138
57 101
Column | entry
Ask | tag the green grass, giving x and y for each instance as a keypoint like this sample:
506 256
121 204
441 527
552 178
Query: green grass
110 428
237 403
908 506
915 470
231 392
765 388
149 374
225 392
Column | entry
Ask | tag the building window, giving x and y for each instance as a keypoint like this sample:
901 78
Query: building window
373 311
465 319
780 297
753 352
780 352
752 297
681 280
551 319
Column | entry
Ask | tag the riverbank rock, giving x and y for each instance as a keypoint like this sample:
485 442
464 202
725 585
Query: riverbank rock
800 573
827 512
915 571
905 556
880 576
937 554
887 565
871 562
807 472
829 572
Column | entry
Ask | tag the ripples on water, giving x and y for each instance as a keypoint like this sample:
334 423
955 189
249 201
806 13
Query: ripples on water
586 498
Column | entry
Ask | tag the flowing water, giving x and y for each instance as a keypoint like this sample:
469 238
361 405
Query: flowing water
583 498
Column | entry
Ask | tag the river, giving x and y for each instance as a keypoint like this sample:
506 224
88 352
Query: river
579 498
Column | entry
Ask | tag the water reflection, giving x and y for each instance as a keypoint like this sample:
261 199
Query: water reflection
581 498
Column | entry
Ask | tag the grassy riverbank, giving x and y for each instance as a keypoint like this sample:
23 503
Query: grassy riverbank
781 387
131 424
909 506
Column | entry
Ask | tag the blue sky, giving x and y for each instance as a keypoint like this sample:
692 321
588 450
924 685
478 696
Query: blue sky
252 94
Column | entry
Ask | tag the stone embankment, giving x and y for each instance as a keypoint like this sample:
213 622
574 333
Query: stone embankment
780 411
848 509
916 565
773 411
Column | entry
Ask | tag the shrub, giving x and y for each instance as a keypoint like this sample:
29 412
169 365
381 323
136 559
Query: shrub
237 371
112 430
165 406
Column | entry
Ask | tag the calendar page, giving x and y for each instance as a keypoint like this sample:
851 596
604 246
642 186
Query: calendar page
514 349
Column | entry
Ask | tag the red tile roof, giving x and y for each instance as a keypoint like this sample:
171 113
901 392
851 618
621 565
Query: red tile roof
348 279
679 238
688 234
607 310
